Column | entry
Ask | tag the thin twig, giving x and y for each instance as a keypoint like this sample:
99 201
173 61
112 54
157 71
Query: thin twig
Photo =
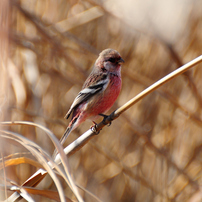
157 84
83 139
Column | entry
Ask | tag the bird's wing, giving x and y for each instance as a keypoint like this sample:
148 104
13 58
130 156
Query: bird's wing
93 85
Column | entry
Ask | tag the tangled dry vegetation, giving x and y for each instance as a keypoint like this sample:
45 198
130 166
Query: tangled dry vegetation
152 152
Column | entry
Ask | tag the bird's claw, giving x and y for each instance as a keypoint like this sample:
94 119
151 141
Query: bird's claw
104 120
94 128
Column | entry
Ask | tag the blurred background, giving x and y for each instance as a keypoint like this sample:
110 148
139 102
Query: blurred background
153 151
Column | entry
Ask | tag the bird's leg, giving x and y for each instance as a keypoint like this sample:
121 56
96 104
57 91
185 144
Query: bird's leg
94 128
104 119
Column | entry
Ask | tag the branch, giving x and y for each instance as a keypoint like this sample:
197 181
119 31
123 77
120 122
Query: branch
83 139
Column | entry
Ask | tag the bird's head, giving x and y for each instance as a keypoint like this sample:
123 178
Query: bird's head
109 60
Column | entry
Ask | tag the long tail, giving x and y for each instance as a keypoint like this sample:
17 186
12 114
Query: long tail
66 134
63 138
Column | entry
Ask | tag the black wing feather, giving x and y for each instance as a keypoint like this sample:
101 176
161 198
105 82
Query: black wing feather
87 93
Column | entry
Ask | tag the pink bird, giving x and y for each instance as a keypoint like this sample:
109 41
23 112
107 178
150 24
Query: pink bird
99 91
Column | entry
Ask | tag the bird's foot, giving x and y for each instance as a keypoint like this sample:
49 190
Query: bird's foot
94 128
104 119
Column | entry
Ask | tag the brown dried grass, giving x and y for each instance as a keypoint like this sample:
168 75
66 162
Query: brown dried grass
150 153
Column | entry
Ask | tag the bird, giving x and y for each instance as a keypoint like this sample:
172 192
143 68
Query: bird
99 92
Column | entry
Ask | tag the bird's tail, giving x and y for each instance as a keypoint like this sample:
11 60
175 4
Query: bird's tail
66 134
63 138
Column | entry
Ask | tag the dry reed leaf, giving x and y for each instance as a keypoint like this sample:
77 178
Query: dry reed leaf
17 161
156 145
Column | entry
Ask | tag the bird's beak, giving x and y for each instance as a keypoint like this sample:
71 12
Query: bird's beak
120 61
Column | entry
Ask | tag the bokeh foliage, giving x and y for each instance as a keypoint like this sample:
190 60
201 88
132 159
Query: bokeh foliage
150 153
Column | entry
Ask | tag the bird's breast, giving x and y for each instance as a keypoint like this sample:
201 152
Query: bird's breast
104 100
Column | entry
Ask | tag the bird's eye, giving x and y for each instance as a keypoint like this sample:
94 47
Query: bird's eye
113 60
